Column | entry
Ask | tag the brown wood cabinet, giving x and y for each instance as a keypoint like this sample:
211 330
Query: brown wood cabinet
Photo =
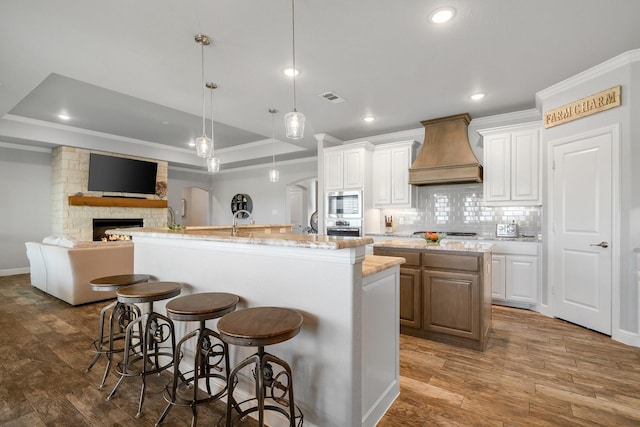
445 295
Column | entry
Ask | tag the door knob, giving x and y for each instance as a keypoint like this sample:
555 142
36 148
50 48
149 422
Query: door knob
601 244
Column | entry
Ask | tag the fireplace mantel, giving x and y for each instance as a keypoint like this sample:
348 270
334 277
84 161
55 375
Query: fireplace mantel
117 202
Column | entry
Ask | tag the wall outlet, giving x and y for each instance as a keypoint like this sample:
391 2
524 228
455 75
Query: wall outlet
274 212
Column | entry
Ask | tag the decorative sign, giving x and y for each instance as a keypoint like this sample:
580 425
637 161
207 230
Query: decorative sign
601 101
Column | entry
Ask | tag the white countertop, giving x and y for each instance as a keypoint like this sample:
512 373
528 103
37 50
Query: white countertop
477 237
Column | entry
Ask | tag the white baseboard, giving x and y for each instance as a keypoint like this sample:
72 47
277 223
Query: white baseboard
626 337
14 271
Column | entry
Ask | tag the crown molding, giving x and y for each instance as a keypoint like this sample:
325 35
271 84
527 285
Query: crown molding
531 115
612 64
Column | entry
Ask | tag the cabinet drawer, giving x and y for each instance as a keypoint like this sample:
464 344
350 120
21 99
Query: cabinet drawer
412 257
451 262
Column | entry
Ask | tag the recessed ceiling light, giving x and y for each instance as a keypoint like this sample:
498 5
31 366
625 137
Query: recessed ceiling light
478 96
63 116
164 122
442 15
192 143
290 71
369 119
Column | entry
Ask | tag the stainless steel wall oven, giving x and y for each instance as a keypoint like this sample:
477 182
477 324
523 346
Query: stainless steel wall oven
344 204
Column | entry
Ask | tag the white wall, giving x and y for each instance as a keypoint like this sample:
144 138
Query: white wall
269 198
180 180
25 210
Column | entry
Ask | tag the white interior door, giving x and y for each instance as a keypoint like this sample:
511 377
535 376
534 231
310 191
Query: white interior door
582 231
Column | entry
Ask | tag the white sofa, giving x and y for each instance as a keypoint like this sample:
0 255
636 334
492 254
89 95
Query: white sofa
63 268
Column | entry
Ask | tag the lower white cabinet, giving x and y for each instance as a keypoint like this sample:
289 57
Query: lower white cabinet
515 272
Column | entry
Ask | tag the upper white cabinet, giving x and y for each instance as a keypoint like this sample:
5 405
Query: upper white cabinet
512 165
390 178
345 166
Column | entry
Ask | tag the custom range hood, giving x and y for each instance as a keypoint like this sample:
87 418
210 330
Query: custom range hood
446 156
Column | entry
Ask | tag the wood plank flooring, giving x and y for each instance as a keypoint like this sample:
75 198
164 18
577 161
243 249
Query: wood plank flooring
536 371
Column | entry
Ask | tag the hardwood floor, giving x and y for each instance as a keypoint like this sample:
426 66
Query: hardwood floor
536 372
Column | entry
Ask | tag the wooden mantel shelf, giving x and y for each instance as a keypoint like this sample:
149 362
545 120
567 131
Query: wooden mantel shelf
123 202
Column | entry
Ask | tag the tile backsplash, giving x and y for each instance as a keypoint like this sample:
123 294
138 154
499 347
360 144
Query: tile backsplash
460 208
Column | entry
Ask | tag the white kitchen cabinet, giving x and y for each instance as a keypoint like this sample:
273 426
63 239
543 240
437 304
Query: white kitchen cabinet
390 177
512 165
498 278
515 273
345 166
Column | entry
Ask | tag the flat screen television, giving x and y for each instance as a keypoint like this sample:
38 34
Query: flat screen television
121 175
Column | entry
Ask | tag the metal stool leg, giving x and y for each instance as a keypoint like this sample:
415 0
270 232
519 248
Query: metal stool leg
154 330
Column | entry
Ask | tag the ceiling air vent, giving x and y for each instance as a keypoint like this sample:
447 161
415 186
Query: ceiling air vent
332 97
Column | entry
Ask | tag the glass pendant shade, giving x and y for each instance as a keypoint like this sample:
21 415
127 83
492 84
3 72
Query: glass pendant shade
213 164
204 146
294 125
274 175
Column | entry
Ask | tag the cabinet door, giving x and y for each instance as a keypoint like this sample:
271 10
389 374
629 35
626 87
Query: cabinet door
498 277
353 169
381 178
451 303
333 170
522 278
525 165
399 177
497 168
410 279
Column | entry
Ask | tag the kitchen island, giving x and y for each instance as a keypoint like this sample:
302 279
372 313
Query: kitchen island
445 289
345 360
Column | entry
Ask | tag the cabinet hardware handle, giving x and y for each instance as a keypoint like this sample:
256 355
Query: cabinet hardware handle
601 244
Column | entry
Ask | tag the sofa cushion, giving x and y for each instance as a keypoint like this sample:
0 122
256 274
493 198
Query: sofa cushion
67 242
51 240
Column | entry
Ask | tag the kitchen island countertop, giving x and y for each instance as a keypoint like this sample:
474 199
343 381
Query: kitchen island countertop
246 235
375 263
444 245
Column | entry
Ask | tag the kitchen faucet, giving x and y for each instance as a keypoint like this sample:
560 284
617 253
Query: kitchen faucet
236 214
172 217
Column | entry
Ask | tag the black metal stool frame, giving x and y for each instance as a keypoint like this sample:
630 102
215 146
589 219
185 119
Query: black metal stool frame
157 330
263 375
207 359
120 316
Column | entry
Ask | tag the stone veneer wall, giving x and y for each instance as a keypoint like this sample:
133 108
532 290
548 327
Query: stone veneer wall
70 176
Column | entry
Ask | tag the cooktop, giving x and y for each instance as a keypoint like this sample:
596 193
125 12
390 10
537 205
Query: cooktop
450 233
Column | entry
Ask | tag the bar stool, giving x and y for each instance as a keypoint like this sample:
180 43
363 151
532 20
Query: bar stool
119 314
150 339
185 389
258 327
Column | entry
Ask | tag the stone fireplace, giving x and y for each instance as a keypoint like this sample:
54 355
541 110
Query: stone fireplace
101 225
70 177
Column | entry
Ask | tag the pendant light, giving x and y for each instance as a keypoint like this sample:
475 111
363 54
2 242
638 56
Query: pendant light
213 163
274 174
204 145
294 121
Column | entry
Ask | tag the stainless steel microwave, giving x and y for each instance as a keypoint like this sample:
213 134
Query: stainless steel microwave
344 204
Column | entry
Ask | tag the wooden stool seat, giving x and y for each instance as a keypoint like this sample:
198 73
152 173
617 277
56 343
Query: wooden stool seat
260 326
204 306
113 283
148 292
